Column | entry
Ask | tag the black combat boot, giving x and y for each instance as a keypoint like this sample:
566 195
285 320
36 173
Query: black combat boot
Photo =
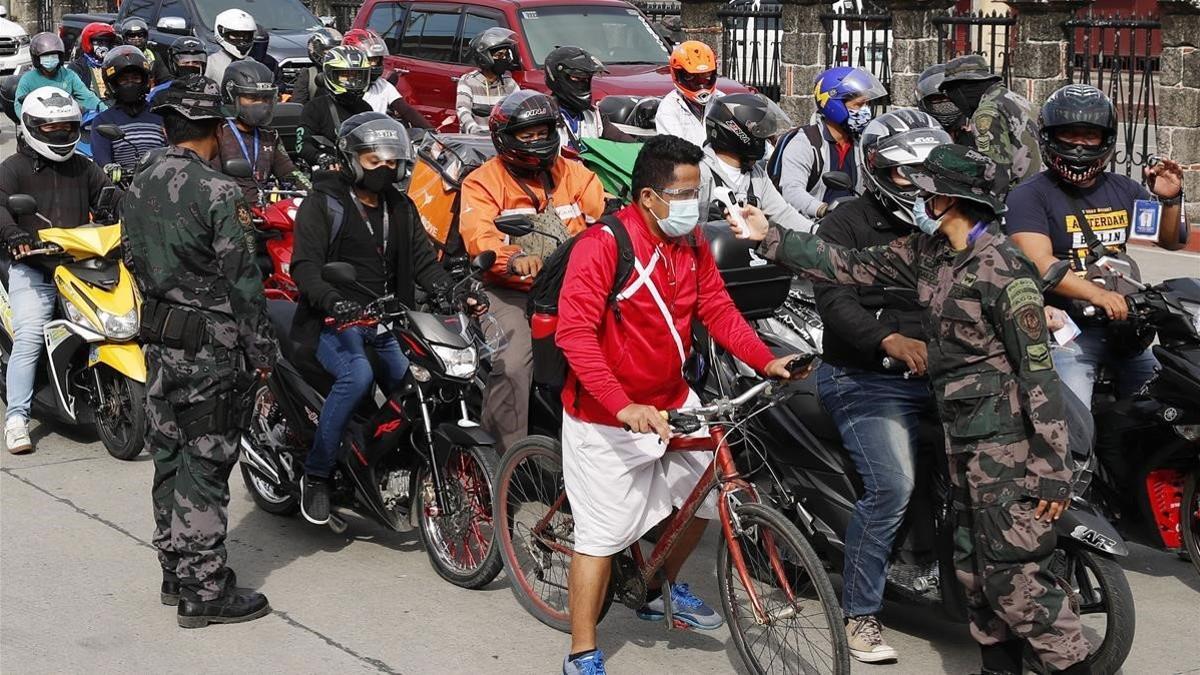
235 606
1003 658
1081 668
169 592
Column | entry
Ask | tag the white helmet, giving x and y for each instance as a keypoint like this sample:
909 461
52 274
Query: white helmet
50 105
234 30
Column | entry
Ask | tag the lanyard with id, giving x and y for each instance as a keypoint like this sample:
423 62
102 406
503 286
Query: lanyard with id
381 248
237 135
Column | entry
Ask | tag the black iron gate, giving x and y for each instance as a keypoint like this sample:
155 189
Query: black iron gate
988 35
343 14
860 40
750 46
1120 56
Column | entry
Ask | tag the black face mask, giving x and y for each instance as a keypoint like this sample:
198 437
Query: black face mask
502 66
256 114
378 179
966 96
130 94
184 71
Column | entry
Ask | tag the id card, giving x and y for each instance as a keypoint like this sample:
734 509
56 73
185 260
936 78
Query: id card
1146 216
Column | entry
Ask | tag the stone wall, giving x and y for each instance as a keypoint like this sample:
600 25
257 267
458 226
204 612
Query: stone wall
802 55
1177 96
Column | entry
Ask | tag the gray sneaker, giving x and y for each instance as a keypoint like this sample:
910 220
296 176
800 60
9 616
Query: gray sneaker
865 636
685 607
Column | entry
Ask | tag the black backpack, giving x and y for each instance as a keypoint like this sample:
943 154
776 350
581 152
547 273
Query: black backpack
775 164
549 364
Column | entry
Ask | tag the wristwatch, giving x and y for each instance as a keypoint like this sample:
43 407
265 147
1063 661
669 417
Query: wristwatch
1172 201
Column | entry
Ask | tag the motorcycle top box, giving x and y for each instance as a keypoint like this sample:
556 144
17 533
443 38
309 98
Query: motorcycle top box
758 287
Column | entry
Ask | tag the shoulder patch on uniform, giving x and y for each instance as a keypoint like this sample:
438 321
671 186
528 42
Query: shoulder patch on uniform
1023 291
1039 356
1029 320
984 122
243 215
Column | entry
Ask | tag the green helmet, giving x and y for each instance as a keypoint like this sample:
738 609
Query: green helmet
958 171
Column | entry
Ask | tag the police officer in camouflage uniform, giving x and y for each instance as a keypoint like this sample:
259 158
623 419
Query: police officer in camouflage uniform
205 331
1000 401
1001 121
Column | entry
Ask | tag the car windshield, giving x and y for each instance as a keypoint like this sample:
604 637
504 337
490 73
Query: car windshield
289 15
615 35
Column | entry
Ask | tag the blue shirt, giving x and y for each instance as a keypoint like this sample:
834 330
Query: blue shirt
64 79
143 133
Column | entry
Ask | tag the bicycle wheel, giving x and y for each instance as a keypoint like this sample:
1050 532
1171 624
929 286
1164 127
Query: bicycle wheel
802 635
535 529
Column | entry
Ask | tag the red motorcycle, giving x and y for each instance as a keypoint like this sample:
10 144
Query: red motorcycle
274 220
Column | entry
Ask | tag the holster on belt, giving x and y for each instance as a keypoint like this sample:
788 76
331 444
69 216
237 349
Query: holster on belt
230 410
173 326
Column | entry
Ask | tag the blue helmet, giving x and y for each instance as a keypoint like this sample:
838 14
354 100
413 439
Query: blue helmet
835 86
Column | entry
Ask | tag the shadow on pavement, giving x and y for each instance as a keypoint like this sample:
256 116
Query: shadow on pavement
1160 564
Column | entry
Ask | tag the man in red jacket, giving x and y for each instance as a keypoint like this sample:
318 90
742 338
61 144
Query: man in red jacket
624 371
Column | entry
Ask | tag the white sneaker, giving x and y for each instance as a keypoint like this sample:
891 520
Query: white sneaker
16 437
865 637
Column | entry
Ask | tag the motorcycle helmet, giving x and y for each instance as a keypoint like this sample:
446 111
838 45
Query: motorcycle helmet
835 87
569 72
187 57
694 70
346 72
47 106
618 108
903 137
373 132
368 42
234 30
494 50
47 52
120 61
933 102
322 40
519 110
95 40
1077 105
250 79
740 124
135 32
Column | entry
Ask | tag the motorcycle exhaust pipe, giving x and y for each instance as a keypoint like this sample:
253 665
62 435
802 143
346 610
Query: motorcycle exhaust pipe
251 458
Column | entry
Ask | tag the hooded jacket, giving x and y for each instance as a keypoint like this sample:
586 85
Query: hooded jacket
65 191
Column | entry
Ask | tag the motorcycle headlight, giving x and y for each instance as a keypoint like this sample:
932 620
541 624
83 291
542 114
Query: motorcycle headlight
460 363
119 326
1188 432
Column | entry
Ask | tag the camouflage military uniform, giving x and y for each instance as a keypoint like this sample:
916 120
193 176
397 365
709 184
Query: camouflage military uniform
1000 403
1005 129
190 244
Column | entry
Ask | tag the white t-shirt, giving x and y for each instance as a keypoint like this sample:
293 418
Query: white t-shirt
380 95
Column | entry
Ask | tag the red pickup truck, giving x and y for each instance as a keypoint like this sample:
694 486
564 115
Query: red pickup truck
428 41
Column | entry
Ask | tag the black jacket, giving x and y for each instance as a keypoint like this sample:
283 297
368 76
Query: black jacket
414 263
857 319
65 191
322 116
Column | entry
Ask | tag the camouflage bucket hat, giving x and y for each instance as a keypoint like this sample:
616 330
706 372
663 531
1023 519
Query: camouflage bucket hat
968 68
195 97
958 171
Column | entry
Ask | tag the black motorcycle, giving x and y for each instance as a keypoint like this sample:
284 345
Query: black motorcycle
1148 478
411 458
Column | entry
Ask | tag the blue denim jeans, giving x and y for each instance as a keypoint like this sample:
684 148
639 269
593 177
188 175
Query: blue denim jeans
32 297
878 416
344 356
1078 361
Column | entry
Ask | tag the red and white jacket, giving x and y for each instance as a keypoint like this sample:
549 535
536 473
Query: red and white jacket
639 357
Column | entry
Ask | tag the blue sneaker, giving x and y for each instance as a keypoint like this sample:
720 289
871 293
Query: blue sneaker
686 608
588 664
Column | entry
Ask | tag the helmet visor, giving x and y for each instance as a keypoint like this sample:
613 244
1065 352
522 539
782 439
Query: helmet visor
861 84
351 79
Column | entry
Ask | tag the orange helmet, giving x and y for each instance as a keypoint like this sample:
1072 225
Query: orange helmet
694 70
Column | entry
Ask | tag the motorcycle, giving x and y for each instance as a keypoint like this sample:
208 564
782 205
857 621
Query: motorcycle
95 370
274 218
412 458
1148 478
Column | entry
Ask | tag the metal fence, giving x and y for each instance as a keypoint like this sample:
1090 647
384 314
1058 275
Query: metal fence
859 40
343 14
988 35
751 47
1120 56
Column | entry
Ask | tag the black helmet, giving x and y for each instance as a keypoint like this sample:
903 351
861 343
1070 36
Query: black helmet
903 137
521 110
932 101
194 96
189 53
253 79
484 47
1078 105
373 132
135 32
117 62
740 124
569 72
322 40
618 108
44 44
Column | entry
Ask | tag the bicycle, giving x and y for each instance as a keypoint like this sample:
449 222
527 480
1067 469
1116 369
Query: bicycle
780 605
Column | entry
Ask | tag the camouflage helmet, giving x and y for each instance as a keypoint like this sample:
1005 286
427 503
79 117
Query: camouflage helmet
955 170
195 97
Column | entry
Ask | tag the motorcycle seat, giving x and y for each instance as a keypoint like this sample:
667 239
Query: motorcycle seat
282 313
806 405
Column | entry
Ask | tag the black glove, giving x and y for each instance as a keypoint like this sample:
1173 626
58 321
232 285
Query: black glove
15 241
479 306
345 311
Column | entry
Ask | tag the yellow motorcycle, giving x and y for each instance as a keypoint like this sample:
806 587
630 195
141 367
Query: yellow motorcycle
95 370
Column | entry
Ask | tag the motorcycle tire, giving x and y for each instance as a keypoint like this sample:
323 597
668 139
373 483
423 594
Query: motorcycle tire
266 498
472 561
122 429
1189 517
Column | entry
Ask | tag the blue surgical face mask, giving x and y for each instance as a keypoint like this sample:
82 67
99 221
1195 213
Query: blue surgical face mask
858 120
682 218
923 221
50 62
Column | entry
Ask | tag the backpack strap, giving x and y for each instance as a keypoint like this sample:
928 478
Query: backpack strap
813 133
625 260
775 163
338 213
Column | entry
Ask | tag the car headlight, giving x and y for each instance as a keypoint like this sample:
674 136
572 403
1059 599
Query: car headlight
459 363
22 40
119 326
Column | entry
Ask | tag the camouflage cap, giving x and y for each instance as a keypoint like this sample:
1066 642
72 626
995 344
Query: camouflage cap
969 68
195 97
958 171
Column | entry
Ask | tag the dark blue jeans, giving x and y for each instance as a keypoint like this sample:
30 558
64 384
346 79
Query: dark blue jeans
877 415
344 356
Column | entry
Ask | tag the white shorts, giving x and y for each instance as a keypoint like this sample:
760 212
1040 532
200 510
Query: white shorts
621 485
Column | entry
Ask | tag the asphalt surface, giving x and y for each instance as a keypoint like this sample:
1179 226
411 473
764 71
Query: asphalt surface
79 589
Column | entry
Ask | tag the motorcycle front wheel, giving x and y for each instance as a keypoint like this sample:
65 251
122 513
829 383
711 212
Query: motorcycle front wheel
268 496
461 539
1189 517
121 414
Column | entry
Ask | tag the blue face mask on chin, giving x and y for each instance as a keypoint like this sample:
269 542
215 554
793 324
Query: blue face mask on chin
682 217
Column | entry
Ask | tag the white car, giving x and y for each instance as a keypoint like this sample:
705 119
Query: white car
14 45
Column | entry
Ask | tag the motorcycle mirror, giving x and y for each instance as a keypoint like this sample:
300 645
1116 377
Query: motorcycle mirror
515 224
339 273
1055 274
837 180
22 205
483 262
110 131
238 168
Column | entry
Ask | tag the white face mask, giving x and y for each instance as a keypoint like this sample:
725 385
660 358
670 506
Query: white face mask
682 217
